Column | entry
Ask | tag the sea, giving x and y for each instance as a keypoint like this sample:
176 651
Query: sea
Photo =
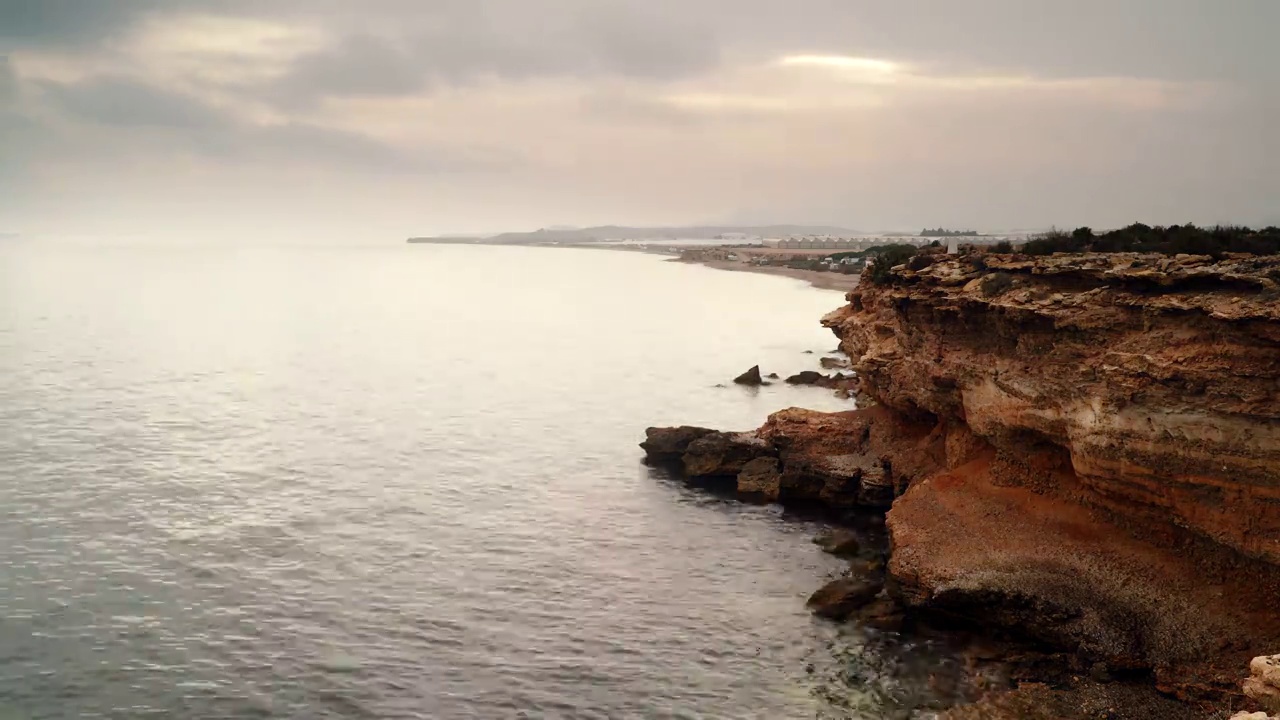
403 481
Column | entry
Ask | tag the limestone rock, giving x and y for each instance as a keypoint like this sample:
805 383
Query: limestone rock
721 454
1263 684
760 480
665 445
834 363
1157 377
839 599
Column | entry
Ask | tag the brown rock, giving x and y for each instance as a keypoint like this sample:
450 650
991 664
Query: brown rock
834 363
839 599
750 377
665 445
721 454
883 614
759 480
808 377
839 542
1158 377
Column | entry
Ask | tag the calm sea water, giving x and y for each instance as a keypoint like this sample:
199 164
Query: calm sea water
396 482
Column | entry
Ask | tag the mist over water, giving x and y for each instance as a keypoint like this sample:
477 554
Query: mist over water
393 482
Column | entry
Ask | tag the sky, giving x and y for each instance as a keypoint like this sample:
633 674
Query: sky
373 120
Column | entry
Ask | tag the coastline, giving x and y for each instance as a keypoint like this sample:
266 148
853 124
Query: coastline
1089 554
818 279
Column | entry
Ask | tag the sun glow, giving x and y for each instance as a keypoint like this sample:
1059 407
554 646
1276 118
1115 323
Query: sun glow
842 62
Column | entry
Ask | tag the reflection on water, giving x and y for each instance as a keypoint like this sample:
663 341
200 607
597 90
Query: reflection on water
394 482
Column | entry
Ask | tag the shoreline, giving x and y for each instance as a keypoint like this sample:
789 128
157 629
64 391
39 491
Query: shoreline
1061 556
819 279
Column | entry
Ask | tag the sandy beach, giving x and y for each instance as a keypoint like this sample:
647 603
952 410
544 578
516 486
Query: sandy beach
819 279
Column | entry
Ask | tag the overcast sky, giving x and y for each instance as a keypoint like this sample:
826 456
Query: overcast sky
372 120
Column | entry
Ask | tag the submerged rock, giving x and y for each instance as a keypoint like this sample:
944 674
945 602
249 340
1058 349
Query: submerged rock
668 445
839 542
883 614
750 377
839 599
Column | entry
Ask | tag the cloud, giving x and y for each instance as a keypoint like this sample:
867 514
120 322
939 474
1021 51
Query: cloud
193 126
514 112
66 21
130 103
456 44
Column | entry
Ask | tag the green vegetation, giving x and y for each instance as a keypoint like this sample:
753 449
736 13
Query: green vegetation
1172 240
871 251
1004 246
887 257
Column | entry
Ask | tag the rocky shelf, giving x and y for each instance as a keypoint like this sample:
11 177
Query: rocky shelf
1080 453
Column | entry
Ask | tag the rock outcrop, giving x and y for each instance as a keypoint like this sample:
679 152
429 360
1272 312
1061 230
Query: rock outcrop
667 445
1263 684
1113 426
1081 452
1156 379
839 599
750 377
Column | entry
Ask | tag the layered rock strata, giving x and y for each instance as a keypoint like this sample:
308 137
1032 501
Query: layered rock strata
1081 451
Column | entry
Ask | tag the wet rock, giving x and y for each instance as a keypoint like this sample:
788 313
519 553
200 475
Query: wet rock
808 377
669 444
834 363
839 599
772 376
1263 684
839 542
721 454
750 377
760 480
883 614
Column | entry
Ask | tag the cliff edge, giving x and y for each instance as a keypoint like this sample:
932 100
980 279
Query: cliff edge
1081 452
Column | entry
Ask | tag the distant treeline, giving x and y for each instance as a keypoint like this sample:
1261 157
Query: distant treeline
1171 240
941 232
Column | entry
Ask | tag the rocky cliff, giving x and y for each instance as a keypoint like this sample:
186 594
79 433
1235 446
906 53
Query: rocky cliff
1157 380
1081 452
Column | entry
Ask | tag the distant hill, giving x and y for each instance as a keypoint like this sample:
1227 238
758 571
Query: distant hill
619 232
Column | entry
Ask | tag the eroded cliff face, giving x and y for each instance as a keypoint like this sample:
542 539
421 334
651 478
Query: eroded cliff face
1082 452
1121 497
1157 379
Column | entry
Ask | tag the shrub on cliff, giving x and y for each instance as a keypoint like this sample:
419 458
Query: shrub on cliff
886 259
1172 240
